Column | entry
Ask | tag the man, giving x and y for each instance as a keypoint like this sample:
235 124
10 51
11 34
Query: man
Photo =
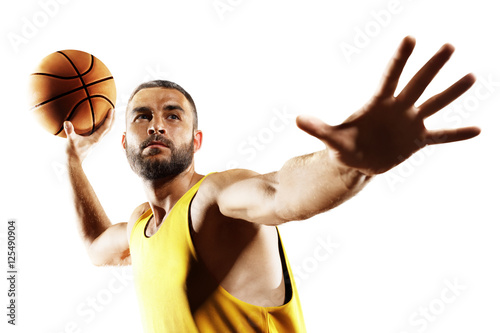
205 250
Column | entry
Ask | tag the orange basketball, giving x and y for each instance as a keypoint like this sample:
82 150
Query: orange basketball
71 85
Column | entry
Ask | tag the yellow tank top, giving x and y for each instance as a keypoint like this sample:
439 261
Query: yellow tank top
177 294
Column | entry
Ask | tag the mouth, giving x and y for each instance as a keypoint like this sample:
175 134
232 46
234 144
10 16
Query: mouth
156 144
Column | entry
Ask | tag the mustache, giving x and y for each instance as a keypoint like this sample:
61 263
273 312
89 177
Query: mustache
157 138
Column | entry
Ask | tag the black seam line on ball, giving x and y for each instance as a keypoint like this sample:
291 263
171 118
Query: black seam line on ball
71 114
71 91
77 104
69 77
84 87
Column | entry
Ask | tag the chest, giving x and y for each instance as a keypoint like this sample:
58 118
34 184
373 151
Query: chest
243 257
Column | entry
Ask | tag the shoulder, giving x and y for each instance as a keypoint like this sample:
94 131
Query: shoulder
222 183
136 214
138 211
205 203
215 182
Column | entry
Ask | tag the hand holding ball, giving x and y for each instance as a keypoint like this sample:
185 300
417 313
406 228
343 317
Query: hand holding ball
75 86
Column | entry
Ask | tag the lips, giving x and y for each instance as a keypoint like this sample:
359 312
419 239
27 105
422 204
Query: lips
156 141
157 144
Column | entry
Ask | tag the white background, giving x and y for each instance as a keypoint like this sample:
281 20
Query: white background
430 223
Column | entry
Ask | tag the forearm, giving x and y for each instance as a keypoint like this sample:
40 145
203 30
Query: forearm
91 218
311 184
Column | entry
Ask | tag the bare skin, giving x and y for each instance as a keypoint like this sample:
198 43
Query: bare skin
234 212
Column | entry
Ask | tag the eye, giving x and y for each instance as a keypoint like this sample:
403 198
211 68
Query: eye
173 116
143 116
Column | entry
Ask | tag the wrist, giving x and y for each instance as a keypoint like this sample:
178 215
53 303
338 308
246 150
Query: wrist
73 160
350 176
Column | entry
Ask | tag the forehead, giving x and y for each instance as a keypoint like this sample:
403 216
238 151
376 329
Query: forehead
157 98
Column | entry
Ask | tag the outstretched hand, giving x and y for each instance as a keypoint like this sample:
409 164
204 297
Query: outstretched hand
78 145
389 129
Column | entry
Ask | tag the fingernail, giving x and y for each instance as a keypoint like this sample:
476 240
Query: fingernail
448 48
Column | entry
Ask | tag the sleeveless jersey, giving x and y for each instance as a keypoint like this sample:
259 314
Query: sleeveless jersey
176 293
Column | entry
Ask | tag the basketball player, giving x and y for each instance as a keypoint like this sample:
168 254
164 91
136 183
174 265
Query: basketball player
205 250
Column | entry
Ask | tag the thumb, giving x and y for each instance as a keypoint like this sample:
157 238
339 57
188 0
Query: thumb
335 137
69 129
313 126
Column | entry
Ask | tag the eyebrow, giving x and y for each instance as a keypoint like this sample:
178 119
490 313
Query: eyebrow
173 107
166 107
140 109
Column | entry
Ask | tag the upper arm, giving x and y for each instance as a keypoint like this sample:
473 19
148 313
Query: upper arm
112 246
249 196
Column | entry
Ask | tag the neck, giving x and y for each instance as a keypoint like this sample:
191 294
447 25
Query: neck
162 194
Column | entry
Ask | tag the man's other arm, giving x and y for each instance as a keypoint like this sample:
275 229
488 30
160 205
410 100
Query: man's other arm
383 133
305 186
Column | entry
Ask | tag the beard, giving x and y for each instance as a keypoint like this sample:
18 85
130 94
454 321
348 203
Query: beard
160 168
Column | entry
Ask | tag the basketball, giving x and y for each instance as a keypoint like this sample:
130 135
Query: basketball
71 85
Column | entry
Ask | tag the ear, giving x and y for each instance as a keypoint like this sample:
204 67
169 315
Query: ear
197 139
124 141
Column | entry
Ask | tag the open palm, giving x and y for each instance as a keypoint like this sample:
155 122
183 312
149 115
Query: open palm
389 129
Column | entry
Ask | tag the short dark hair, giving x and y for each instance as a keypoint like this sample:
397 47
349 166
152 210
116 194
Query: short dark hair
168 85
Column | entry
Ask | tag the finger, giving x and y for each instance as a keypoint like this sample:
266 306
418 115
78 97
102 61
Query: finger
335 137
437 102
424 76
313 126
451 135
106 125
395 68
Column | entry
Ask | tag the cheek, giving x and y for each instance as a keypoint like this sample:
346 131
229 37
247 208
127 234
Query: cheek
133 134
131 142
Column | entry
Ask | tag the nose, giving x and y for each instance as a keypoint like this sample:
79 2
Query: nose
156 126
